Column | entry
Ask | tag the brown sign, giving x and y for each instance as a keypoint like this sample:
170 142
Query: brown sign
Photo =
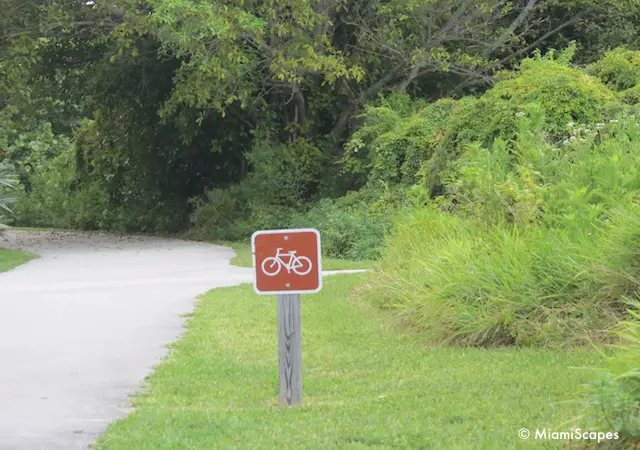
287 261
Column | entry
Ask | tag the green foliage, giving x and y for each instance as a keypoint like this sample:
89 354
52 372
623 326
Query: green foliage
631 96
619 69
350 227
395 139
402 143
254 44
220 214
179 90
27 148
7 186
616 393
287 174
81 185
54 198
566 94
36 145
574 185
347 232
537 244
283 178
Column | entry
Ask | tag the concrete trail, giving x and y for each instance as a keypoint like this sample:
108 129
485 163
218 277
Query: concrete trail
81 327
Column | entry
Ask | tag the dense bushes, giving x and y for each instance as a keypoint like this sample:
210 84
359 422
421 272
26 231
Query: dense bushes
284 189
49 194
55 199
82 183
465 150
573 184
347 231
60 189
619 69
567 95
395 139
350 227
536 245
406 141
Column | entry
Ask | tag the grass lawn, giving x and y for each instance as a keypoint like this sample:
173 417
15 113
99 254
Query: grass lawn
365 384
243 259
13 258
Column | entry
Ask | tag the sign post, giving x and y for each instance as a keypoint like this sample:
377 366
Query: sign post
288 263
289 349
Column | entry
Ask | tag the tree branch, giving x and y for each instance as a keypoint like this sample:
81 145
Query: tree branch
469 80
343 119
545 36
511 28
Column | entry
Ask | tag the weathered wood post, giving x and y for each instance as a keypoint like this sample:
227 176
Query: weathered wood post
289 349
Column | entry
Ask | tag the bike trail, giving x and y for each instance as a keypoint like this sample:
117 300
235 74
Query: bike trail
83 325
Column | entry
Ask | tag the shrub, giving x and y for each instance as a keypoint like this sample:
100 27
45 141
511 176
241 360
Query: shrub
278 194
395 140
537 244
56 199
216 216
51 193
631 96
574 184
284 178
619 69
566 95
615 395
33 147
347 231
284 174
352 227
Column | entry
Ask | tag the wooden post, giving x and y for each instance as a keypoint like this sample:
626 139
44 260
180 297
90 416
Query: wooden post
289 349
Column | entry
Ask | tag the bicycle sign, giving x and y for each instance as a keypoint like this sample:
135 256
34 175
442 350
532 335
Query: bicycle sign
287 261
300 265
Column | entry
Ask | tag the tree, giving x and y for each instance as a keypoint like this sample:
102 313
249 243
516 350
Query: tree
179 91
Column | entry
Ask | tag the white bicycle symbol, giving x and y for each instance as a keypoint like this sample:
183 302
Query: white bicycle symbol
300 265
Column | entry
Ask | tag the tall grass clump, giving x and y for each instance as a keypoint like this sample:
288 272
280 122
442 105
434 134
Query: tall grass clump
615 393
464 281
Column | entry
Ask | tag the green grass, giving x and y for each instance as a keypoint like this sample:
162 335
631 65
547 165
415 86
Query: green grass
243 259
13 258
366 384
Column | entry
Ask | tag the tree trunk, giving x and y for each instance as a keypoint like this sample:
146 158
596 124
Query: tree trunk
301 104
343 120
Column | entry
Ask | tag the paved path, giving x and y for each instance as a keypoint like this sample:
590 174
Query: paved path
83 325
